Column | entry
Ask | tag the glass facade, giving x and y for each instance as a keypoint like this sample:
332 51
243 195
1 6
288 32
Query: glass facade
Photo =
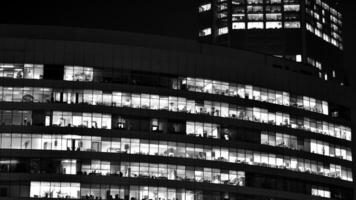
254 93
232 89
21 71
161 171
81 120
78 73
269 14
324 21
321 192
172 149
309 145
132 192
169 103
99 133
268 26
205 7
210 86
55 190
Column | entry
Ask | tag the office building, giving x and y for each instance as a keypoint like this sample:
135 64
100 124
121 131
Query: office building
307 31
102 114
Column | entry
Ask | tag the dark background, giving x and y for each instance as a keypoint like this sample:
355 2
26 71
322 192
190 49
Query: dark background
170 17
176 18
350 39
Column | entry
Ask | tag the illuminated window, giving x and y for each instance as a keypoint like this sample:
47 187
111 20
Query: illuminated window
310 28
318 65
340 46
78 73
238 2
273 1
326 6
336 36
320 191
326 37
291 24
32 71
222 30
54 190
335 27
222 15
204 7
255 25
69 166
149 147
254 1
298 58
238 17
291 8
89 120
222 6
254 9
290 1
255 17
264 138
205 32
238 25
238 9
317 32
273 25
273 16
21 71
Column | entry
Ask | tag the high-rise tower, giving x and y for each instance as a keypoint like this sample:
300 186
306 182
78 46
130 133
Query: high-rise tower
307 31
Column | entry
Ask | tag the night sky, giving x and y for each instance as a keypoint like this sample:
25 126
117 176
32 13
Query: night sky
169 17
163 17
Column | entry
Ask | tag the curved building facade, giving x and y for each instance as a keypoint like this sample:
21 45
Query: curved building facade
94 114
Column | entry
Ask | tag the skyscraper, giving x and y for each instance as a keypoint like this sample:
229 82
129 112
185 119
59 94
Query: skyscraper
307 31
253 110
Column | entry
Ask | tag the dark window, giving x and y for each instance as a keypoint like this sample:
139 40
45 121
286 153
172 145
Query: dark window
3 192
53 72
